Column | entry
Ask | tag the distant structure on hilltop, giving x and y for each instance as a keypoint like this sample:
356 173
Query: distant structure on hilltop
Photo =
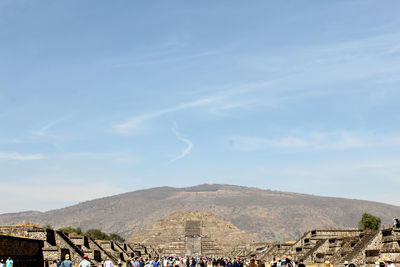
192 233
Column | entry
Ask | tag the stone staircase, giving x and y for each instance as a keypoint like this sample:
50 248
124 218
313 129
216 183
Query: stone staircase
360 246
309 253
210 248
175 248
345 249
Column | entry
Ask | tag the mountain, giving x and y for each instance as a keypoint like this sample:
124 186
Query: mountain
271 215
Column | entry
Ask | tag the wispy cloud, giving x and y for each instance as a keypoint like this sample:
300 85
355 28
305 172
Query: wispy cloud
315 140
19 156
227 99
167 59
136 121
44 130
187 150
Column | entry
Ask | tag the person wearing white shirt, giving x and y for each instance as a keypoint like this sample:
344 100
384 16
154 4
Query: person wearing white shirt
85 262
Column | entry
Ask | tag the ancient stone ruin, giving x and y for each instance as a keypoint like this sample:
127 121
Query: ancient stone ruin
25 252
193 233
336 246
43 246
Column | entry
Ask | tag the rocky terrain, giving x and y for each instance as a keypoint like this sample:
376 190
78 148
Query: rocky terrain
271 215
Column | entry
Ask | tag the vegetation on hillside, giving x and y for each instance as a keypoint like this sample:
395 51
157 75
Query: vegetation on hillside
72 231
369 222
92 233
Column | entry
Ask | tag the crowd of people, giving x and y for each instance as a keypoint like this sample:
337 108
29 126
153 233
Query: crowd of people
194 262
197 262
286 261
9 263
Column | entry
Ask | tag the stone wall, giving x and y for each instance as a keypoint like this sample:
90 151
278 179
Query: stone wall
23 251
338 246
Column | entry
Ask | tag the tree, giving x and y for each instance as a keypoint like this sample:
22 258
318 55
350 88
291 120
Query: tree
96 234
71 230
116 237
369 222
48 227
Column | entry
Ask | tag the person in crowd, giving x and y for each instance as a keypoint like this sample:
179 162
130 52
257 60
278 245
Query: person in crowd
301 263
136 262
147 263
209 262
193 262
242 263
67 262
389 263
273 263
129 262
9 262
202 263
178 262
108 263
170 262
155 262
85 262
221 262
252 263
141 262
1 263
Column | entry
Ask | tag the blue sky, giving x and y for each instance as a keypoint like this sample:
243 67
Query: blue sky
99 98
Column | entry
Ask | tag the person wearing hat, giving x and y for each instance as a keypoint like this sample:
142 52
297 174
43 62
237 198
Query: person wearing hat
67 262
346 263
85 262
389 262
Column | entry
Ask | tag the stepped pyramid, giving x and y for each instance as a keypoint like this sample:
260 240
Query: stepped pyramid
187 233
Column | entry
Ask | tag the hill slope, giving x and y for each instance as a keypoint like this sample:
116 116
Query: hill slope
269 214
